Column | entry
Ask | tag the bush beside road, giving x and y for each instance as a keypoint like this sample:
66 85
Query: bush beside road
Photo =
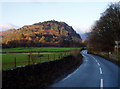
108 56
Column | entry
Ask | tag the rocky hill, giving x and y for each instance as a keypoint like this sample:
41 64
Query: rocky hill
48 33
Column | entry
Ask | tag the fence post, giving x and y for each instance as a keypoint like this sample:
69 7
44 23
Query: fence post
32 65
48 57
59 56
38 53
15 62
40 59
54 56
28 59
32 61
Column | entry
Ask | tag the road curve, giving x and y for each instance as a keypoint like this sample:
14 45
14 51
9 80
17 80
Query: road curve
94 72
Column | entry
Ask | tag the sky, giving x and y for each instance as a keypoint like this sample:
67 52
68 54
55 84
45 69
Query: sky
80 15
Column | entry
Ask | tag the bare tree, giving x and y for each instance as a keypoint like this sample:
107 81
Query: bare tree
106 30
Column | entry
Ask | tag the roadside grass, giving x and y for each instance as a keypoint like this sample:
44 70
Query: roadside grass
111 57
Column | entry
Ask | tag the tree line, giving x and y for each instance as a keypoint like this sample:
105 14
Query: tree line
31 43
106 30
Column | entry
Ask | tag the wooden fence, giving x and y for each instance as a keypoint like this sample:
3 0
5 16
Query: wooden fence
31 59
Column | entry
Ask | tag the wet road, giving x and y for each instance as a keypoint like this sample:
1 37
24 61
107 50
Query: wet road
94 72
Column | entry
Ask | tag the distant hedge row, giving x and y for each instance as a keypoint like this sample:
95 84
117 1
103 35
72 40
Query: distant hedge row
27 43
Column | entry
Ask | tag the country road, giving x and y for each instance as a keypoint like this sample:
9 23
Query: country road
94 72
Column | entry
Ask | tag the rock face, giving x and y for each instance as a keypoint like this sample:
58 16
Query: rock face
48 33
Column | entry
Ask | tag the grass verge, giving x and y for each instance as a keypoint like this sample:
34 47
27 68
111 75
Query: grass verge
106 57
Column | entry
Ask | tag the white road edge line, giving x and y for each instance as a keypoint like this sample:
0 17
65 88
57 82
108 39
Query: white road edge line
101 81
96 60
98 64
101 84
100 70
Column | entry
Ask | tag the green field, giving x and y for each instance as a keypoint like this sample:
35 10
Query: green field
26 49
37 55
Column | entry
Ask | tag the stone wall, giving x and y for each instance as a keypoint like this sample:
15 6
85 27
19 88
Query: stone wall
41 75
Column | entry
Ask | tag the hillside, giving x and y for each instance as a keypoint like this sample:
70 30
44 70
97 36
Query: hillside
48 33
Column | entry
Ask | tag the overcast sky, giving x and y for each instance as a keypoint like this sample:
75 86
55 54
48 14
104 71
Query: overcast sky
80 15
